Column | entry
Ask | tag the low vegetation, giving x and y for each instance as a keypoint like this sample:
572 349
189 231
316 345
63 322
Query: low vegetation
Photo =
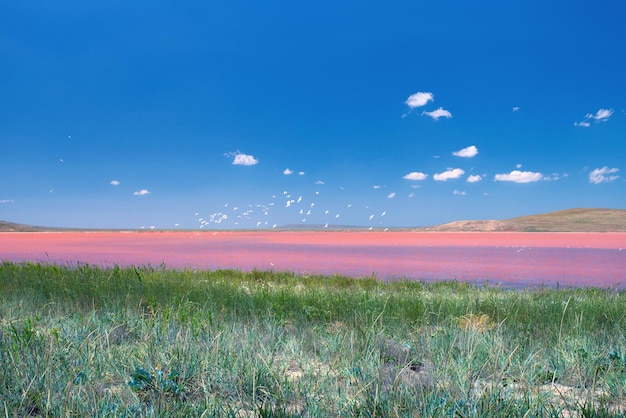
149 341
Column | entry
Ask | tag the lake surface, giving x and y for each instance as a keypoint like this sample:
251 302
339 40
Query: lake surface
510 259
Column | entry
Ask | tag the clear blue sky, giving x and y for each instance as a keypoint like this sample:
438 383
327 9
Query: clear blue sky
240 114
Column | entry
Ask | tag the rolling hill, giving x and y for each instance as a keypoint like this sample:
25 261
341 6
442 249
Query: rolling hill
569 220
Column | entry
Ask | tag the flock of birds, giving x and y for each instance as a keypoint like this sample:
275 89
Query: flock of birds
286 206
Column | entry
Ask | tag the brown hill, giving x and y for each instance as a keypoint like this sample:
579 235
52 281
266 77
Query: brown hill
570 220
13 227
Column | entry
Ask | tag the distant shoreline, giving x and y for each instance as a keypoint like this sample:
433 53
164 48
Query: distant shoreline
569 220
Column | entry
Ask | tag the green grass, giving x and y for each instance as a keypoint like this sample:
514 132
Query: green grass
150 341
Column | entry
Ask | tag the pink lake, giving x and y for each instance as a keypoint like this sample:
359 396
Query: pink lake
508 258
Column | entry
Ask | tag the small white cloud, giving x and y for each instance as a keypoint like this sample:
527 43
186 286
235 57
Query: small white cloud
518 165
515 108
415 175
391 195
517 176
377 186
459 193
602 175
6 201
115 183
411 195
554 176
438 113
240 158
475 178
301 173
141 192
287 172
319 182
467 152
601 114
454 173
419 99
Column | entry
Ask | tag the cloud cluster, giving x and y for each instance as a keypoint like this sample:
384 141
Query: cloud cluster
474 178
603 175
602 115
422 98
517 176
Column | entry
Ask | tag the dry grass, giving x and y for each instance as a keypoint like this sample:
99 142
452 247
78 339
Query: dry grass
570 220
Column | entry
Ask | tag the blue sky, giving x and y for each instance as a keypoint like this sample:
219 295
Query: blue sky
247 114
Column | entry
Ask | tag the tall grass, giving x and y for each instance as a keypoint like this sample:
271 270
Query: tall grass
149 341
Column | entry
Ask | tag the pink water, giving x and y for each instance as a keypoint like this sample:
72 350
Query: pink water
512 259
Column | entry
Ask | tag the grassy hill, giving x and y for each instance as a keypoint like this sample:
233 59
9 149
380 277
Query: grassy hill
570 220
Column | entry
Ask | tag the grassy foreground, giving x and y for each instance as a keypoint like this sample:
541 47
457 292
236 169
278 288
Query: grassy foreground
150 341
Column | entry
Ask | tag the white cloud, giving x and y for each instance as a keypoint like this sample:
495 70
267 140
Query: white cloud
515 108
415 175
419 99
517 176
391 195
287 171
377 186
411 195
301 173
438 113
518 165
6 201
115 183
454 173
142 192
467 152
240 158
320 182
602 115
601 175
474 178
459 193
